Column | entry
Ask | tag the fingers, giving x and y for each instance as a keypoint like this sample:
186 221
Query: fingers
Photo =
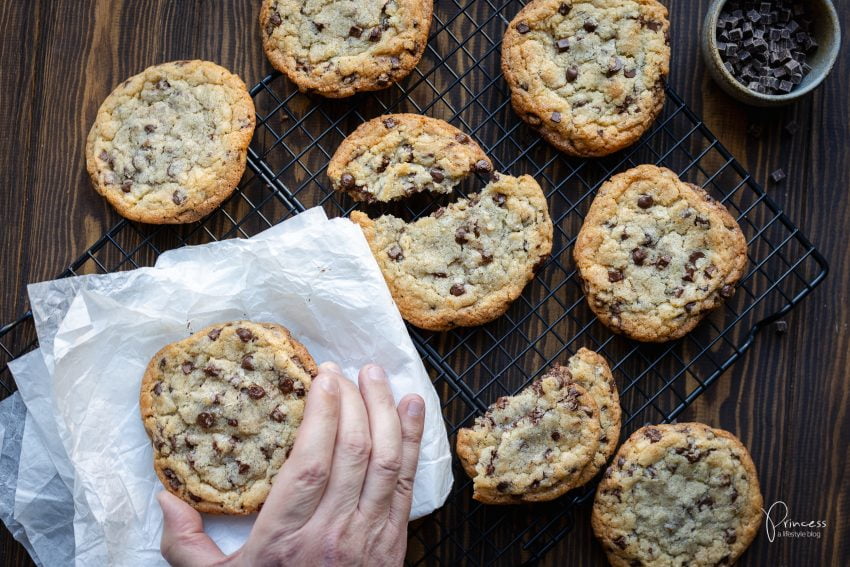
184 543
411 413
301 482
385 430
351 454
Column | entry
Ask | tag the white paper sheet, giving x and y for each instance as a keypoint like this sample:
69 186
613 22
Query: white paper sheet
315 276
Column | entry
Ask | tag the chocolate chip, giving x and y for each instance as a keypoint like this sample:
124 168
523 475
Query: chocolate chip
355 31
278 415
346 181
503 486
522 27
645 201
243 467
388 123
653 434
212 370
187 367
615 276
630 73
214 334
614 65
248 362
590 26
244 334
572 73
701 221
564 9
729 535
705 502
162 84
727 291
274 19
663 262
439 212
462 138
172 477
562 44
457 290
395 63
555 436
395 253
689 307
256 392
461 235
178 197
678 292
382 167
233 422
157 388
483 166
486 256
654 25
286 385
695 256
499 199
689 274
638 256
620 541
437 175
556 117
205 420
375 34
710 271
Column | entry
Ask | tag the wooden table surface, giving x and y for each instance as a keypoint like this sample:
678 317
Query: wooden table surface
787 398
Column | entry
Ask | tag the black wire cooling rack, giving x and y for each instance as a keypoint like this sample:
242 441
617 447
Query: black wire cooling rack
459 80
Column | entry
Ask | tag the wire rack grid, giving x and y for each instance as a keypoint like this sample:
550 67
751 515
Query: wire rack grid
459 80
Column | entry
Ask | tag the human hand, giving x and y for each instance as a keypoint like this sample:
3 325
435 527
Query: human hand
341 498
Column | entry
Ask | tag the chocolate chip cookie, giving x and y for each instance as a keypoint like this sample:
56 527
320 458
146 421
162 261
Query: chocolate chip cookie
657 254
533 446
222 408
588 74
170 144
464 264
678 495
590 371
336 48
397 155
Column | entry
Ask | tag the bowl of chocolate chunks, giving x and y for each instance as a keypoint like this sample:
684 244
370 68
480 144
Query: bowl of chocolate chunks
770 52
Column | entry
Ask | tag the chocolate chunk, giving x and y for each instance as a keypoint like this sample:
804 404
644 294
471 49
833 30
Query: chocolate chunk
375 34
564 9
248 362
187 367
462 138
555 436
233 422
653 434
457 290
522 27
382 167
205 420
663 262
243 467
729 535
461 235
278 415
256 392
689 307
390 123
437 175
562 45
654 25
157 388
178 197
503 486
778 176
638 256
615 276
678 292
172 477
212 371
285 384
590 26
695 256
274 19
486 257
395 253
645 201
483 166
355 31
572 73
214 334
244 334
689 274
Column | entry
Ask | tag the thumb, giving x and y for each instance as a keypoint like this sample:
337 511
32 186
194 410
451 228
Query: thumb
184 542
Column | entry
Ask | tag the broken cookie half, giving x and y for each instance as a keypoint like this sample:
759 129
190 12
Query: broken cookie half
464 264
397 155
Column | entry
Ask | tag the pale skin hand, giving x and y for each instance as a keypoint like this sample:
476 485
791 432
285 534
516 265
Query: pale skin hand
342 498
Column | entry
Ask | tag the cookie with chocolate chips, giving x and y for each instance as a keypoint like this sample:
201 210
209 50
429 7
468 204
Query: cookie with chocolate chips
337 48
657 254
170 144
681 494
588 74
533 446
590 371
222 408
397 155
466 263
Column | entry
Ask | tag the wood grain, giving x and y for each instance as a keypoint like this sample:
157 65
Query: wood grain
787 398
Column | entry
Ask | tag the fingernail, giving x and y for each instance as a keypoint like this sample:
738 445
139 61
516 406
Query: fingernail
330 367
327 383
375 373
415 408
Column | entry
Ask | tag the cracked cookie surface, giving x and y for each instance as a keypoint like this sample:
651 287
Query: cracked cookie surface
170 144
590 371
337 48
532 446
222 408
657 254
464 264
678 495
588 74
397 155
